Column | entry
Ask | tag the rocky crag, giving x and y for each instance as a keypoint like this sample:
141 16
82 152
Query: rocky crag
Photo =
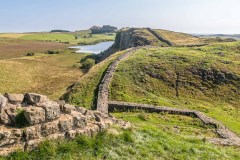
134 37
26 120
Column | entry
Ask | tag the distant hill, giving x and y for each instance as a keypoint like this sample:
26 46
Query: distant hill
58 30
235 36
103 29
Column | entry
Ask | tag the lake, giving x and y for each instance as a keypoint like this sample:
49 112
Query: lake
96 48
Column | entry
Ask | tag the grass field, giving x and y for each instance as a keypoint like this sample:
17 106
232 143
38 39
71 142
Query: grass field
12 48
153 136
72 38
42 73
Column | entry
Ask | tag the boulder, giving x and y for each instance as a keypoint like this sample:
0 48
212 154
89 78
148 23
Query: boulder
33 132
34 115
3 101
32 144
79 120
71 134
49 128
65 122
9 136
11 111
52 110
99 116
90 115
33 98
67 108
4 119
14 98
81 109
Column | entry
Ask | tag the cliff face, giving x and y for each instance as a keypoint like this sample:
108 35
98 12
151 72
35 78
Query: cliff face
132 37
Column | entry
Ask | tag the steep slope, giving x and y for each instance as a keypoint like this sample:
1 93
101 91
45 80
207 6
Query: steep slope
202 78
132 37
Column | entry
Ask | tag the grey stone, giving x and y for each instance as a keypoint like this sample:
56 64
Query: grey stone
34 115
4 119
3 101
67 108
52 110
65 122
33 132
79 120
49 128
14 98
33 98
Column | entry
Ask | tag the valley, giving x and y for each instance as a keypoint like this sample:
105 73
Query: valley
144 66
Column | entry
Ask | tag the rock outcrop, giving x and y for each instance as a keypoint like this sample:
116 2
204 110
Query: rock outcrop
133 37
27 120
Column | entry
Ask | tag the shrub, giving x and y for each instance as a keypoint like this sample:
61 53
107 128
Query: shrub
127 136
52 52
88 63
143 117
30 54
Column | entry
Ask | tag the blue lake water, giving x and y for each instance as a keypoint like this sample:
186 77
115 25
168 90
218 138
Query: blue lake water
96 49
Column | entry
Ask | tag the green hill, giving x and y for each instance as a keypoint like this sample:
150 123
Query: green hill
204 78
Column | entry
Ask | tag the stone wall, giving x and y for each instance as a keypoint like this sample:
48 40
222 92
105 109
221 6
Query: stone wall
26 120
160 38
227 136
103 91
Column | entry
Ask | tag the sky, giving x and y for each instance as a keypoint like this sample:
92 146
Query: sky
190 16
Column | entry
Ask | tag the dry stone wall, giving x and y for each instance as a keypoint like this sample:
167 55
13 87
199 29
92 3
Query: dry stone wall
103 92
26 120
105 106
160 38
227 136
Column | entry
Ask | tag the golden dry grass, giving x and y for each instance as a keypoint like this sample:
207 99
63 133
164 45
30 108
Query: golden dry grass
12 35
44 74
179 38
11 48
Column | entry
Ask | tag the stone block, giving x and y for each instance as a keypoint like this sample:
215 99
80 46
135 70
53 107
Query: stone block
52 110
14 98
33 98
65 122
34 115
49 128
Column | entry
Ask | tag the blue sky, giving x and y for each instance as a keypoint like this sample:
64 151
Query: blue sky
191 16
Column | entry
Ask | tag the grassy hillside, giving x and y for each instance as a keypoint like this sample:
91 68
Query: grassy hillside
202 78
179 38
153 136
84 93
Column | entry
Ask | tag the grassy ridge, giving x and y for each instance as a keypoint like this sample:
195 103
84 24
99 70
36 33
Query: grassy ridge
153 136
179 38
150 75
